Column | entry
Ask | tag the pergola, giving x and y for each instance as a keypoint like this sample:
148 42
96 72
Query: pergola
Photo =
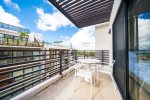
85 12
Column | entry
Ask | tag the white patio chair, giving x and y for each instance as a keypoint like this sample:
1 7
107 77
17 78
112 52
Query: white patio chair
108 69
71 65
83 71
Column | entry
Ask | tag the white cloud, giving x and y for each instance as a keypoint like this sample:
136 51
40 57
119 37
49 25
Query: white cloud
12 4
144 33
84 39
51 21
64 37
8 18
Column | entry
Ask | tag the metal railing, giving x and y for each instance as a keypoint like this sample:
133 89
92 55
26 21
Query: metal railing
20 70
14 28
102 55
17 77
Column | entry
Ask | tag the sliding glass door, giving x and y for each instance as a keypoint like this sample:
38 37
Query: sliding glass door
139 49
120 50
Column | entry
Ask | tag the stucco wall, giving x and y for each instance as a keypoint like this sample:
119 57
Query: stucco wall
102 37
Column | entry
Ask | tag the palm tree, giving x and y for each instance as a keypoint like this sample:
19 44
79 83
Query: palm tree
23 34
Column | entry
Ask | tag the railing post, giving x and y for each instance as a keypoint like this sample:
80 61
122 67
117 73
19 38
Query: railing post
60 62
84 54
102 58
75 52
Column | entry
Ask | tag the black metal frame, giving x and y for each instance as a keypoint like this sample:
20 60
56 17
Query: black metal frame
125 3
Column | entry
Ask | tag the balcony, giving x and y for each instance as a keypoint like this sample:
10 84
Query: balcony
17 42
5 42
63 90
42 74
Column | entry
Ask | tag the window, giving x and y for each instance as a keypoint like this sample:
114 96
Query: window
139 50
18 54
8 36
28 53
36 53
120 50
5 54
1 38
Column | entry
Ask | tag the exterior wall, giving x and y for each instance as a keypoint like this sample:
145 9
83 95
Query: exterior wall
9 32
103 39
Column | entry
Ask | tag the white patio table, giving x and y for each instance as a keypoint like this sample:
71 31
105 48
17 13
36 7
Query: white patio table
90 62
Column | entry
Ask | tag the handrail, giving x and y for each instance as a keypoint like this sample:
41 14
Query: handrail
47 66
50 63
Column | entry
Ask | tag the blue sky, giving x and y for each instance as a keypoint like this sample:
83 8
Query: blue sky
27 14
39 16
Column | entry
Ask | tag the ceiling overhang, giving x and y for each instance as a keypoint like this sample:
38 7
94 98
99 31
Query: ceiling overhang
85 12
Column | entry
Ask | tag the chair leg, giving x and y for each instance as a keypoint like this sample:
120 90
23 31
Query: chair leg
74 83
94 81
91 89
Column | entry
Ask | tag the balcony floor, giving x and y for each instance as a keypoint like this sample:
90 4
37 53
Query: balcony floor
63 90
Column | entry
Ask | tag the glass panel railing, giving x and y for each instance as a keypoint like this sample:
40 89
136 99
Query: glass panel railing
14 28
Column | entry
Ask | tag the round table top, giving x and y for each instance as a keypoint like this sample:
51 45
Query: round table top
89 61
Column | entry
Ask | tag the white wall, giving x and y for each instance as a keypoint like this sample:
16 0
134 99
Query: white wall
9 32
103 39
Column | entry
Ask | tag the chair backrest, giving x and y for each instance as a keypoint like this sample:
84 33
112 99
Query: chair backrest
112 63
82 67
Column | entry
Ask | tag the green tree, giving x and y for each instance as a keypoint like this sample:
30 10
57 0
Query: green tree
23 34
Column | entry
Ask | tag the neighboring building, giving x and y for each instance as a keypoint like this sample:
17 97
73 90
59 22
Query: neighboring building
11 32
14 48
35 37
16 36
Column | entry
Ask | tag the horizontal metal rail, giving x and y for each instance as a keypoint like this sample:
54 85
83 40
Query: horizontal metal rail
6 79
49 63
28 84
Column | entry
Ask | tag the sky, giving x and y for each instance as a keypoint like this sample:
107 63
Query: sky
144 31
41 17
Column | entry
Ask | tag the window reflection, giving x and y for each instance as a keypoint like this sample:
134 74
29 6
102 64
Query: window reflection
144 50
139 58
